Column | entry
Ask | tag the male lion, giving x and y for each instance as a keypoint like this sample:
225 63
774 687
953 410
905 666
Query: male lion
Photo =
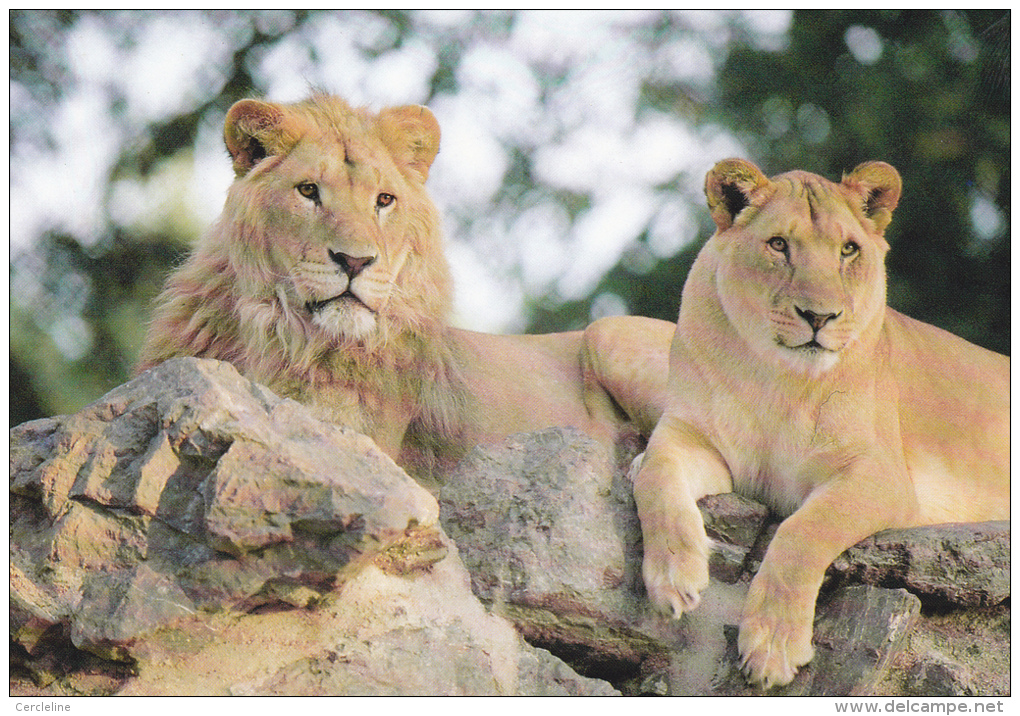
325 279
792 382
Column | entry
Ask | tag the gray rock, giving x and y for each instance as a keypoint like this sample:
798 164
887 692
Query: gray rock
208 481
961 564
734 524
857 635
961 652
215 538
523 513
938 676
545 523
547 528
380 634
733 519
121 606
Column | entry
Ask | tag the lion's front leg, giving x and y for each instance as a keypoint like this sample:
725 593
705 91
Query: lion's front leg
777 622
677 469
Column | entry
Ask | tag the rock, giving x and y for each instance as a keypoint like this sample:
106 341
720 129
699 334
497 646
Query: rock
192 533
549 533
214 538
204 479
522 511
961 652
960 564
378 635
734 524
857 634
121 606
546 525
733 519
938 676
859 631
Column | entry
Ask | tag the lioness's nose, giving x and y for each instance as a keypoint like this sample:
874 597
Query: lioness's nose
816 320
351 265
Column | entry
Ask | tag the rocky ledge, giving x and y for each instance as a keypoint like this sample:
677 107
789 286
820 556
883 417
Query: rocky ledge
193 533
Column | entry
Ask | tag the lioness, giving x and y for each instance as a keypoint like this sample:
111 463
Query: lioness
325 279
791 382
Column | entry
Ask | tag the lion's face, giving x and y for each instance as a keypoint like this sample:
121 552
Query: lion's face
339 228
801 260
338 240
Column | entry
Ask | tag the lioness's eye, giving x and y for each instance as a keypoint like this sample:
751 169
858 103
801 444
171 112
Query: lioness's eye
309 190
778 244
384 200
850 248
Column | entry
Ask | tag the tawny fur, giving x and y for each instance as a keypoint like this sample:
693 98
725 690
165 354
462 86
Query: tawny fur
793 383
324 190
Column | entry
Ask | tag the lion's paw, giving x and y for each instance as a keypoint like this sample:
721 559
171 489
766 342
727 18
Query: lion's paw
676 572
775 640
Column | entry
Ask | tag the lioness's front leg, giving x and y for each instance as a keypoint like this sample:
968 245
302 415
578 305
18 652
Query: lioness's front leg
677 469
776 626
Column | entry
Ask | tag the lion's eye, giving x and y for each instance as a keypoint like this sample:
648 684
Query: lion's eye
309 190
384 200
850 248
777 244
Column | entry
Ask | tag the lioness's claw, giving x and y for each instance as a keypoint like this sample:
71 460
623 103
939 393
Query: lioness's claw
673 600
675 579
773 649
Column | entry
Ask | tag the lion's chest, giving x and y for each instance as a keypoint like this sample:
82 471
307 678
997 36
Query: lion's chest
382 418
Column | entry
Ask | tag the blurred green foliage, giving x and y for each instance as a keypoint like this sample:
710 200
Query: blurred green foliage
927 91
935 104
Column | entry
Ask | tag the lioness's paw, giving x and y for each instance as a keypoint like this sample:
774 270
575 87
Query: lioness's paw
775 638
676 572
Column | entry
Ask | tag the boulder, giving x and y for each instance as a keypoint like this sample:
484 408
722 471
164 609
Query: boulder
192 532
951 565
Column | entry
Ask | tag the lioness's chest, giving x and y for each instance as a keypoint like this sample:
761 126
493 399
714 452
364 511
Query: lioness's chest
777 450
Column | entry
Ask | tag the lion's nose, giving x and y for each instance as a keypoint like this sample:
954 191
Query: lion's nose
351 265
816 320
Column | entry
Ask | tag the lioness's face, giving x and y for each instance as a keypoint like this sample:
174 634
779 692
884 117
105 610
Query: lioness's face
803 275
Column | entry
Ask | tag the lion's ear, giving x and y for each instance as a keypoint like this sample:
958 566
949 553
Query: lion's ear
729 188
880 186
411 133
255 130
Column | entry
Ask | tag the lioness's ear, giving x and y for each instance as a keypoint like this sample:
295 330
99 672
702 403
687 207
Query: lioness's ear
255 130
412 134
879 185
729 187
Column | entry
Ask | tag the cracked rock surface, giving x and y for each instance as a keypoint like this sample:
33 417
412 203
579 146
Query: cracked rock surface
192 533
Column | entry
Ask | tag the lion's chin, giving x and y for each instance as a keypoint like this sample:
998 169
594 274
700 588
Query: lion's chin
344 317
